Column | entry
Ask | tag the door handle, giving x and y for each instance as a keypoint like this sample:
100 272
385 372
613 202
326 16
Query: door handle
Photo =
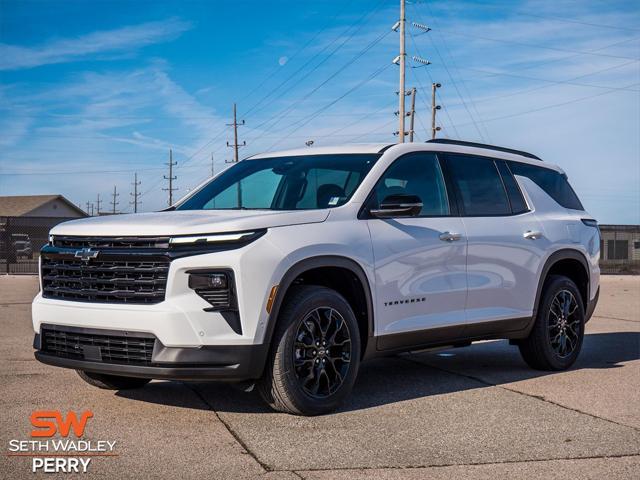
450 236
532 235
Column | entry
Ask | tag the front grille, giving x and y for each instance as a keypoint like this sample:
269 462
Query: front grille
130 350
132 280
110 242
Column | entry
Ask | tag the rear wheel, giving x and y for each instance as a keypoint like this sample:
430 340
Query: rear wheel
112 382
315 353
556 338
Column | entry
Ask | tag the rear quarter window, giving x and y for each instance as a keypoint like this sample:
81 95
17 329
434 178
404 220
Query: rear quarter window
553 183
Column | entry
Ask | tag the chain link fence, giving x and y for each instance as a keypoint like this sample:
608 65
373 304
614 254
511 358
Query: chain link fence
21 239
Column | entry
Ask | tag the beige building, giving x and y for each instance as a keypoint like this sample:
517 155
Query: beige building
39 206
620 249
25 222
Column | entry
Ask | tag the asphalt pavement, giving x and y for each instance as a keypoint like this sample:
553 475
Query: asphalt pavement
475 412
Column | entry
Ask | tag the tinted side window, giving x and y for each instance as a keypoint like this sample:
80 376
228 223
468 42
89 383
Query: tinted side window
552 182
416 174
518 205
479 185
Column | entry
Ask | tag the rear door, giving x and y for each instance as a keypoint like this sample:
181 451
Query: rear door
419 261
504 250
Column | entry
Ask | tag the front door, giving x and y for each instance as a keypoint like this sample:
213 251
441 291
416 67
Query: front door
419 261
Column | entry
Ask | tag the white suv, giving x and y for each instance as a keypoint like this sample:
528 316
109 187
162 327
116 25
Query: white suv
289 269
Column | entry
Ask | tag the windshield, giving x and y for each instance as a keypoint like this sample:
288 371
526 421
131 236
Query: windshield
284 183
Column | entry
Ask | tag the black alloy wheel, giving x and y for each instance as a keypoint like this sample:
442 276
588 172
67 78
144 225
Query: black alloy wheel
564 323
322 352
315 352
556 337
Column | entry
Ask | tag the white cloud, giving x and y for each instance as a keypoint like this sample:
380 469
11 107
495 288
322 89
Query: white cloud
14 57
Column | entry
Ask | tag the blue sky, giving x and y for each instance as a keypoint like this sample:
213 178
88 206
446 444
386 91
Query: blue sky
91 92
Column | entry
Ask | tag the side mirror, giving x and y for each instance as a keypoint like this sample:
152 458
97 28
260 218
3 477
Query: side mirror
398 206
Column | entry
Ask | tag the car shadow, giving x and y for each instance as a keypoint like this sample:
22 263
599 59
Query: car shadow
409 376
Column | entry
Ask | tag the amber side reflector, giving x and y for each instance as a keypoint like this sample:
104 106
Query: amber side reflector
272 297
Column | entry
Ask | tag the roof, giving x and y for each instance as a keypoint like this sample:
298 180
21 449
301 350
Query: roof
449 141
396 149
349 148
19 205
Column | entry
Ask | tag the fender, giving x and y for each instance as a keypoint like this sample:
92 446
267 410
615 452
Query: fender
316 262
555 257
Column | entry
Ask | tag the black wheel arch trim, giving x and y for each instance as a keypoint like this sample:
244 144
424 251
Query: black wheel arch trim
555 257
318 262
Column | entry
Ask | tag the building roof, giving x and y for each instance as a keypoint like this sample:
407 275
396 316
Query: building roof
19 205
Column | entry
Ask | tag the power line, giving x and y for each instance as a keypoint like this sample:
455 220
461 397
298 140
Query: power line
551 106
308 62
444 107
454 64
455 86
560 82
531 45
571 20
280 116
330 104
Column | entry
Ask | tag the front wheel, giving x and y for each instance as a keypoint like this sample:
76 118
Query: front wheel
315 353
556 338
112 382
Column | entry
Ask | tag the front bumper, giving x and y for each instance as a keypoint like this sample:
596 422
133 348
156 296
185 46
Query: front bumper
227 362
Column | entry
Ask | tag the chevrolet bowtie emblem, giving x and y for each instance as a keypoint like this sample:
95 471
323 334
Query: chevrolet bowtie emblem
86 254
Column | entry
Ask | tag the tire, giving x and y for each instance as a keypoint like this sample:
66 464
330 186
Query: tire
299 378
544 349
112 382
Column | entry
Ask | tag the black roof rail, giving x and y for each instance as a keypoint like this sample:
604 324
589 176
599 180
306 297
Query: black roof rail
449 141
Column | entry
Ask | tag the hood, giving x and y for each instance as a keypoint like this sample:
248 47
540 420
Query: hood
187 222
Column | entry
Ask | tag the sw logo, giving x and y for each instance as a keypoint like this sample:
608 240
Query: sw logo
46 427
49 422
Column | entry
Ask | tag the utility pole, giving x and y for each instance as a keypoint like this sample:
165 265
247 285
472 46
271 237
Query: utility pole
213 166
434 109
114 202
412 114
171 177
401 92
135 193
91 210
88 207
235 144
98 202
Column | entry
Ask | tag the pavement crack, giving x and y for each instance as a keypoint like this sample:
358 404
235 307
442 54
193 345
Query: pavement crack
233 433
300 472
537 397
616 318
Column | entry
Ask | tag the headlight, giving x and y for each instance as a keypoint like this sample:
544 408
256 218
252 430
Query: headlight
212 239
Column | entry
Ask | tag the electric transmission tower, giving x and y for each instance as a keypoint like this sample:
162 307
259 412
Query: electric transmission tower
114 202
135 194
235 145
98 202
171 177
